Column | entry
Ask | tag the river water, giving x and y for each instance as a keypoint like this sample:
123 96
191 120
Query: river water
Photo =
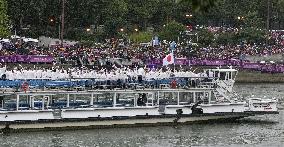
267 130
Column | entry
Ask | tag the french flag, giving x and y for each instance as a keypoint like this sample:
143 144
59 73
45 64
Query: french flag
169 59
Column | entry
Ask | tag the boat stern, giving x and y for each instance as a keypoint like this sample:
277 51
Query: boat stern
262 105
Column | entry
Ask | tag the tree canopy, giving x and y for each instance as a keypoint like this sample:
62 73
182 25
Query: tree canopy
42 17
4 26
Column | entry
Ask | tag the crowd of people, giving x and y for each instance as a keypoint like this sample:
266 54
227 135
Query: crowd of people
116 49
235 52
114 74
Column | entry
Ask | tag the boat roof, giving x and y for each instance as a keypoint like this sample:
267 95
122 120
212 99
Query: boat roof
50 93
98 92
223 70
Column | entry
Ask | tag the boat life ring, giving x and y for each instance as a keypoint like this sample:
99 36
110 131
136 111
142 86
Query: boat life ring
174 84
25 86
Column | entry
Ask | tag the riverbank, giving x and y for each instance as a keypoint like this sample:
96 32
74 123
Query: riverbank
246 76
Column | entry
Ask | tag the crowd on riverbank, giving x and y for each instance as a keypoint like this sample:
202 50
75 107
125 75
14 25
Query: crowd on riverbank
236 52
116 49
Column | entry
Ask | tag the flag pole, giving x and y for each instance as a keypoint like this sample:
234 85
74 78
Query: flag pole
172 47
174 61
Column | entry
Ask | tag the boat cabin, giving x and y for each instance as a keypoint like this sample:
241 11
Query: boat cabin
104 98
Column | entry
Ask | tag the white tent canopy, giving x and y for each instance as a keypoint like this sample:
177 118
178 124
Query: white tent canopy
30 40
5 40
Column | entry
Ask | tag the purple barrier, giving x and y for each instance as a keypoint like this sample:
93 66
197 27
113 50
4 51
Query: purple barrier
234 62
21 58
268 68
181 61
155 61
195 62
214 62
26 59
184 61
251 66
41 59
280 69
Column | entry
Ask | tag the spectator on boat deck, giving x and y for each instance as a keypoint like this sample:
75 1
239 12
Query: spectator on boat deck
140 74
210 75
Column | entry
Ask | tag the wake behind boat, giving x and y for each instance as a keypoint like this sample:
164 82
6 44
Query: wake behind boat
104 102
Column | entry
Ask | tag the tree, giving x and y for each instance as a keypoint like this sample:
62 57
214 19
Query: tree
4 27
140 12
200 5
172 31
140 37
33 15
114 16
226 38
252 35
205 37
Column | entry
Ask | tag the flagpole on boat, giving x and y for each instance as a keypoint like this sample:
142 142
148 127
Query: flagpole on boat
174 61
172 47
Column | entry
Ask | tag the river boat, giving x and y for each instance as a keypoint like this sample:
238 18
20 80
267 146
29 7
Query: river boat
173 101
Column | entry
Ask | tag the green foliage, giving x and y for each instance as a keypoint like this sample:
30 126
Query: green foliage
140 37
4 30
31 17
251 19
248 35
200 6
171 31
226 38
205 37
252 35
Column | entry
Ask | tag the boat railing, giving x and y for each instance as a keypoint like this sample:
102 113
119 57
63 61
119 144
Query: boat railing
107 84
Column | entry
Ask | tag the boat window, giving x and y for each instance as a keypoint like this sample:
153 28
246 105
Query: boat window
200 96
9 102
206 97
168 98
151 99
125 99
213 98
60 101
141 99
26 101
104 100
79 100
222 75
1 101
228 75
185 98
217 74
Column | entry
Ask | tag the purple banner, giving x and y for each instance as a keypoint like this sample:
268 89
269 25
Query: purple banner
272 68
41 59
181 61
26 59
251 65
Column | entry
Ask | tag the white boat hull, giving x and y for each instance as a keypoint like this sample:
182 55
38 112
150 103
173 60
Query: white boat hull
116 122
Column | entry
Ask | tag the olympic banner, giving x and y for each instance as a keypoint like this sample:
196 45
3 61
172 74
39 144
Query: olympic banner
26 59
